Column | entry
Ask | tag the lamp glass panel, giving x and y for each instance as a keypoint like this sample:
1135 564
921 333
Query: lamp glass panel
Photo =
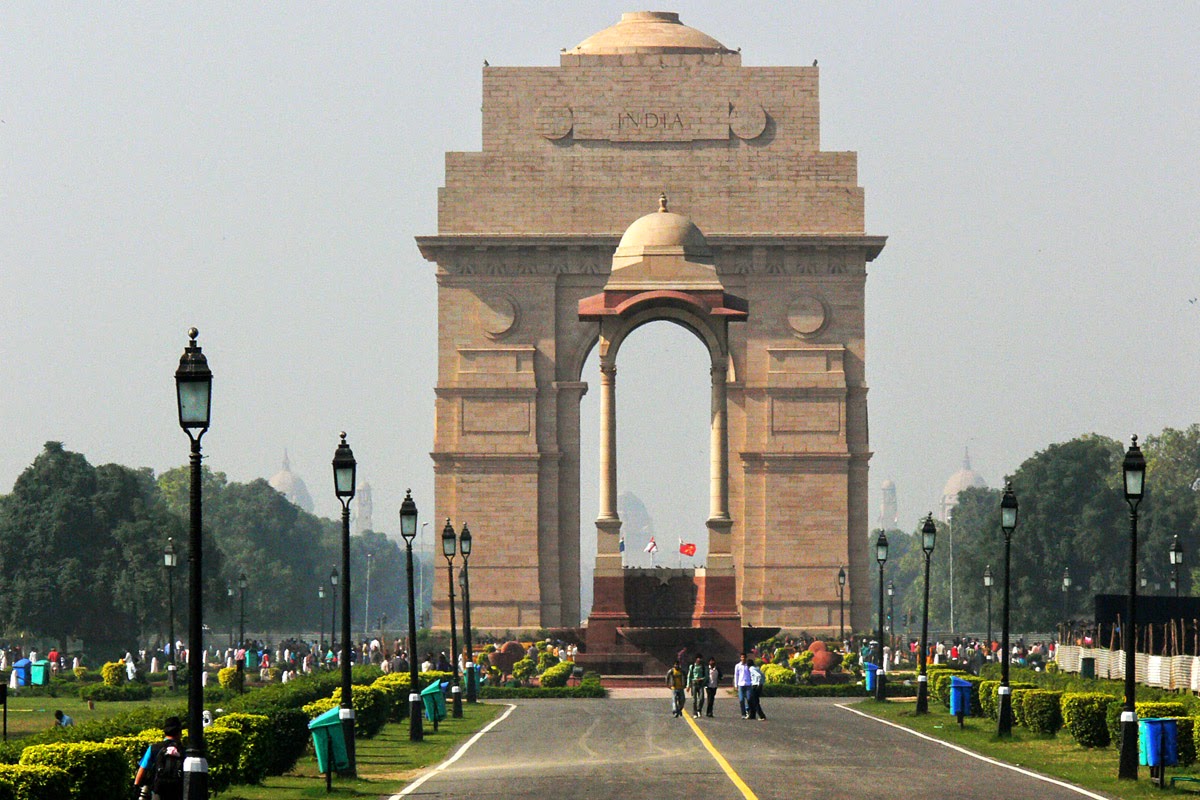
343 480
1134 481
193 402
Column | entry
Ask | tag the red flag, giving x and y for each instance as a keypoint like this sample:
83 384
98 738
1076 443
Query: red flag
687 548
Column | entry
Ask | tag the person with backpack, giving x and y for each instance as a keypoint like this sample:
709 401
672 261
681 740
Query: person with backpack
697 677
160 772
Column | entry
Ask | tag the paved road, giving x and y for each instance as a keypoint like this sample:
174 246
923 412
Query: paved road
634 748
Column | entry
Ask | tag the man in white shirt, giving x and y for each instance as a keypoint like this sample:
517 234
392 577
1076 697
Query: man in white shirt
741 680
756 685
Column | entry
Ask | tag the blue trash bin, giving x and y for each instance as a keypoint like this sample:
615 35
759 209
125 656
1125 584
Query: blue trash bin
1157 742
871 670
960 697
23 668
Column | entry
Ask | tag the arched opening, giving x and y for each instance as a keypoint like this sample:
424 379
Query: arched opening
663 450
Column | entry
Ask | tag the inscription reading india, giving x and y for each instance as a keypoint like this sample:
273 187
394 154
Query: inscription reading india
650 121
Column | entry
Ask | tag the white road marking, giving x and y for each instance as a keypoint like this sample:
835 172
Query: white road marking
965 751
412 787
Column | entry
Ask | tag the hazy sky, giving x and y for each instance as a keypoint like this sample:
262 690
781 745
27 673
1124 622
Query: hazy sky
260 171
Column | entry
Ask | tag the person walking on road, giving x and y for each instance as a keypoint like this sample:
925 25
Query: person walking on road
756 686
741 681
675 681
697 678
710 686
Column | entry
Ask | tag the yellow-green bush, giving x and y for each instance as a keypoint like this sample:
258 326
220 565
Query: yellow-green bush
95 769
939 682
1143 710
231 679
1083 716
27 782
223 747
318 707
557 675
134 747
80 673
1185 740
254 757
113 673
777 674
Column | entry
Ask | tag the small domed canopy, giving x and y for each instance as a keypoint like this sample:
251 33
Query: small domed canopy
648 32
663 249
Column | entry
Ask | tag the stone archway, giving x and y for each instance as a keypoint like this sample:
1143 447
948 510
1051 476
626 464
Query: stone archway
527 228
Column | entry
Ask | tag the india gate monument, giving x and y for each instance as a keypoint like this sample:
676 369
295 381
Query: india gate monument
651 177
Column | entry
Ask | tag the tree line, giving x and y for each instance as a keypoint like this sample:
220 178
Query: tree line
1073 516
81 557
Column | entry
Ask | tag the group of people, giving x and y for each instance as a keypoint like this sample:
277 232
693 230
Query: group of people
703 681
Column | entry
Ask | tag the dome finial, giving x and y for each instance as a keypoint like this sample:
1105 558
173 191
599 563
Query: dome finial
662 202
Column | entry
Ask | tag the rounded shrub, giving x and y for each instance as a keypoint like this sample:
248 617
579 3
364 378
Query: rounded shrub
776 675
95 769
1084 716
231 679
28 782
1041 710
546 660
1185 740
523 670
557 675
224 747
133 747
103 692
318 707
113 673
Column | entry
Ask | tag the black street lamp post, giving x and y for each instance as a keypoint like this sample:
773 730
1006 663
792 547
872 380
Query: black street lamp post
333 583
881 554
891 618
988 580
170 561
449 548
344 469
193 390
1133 470
321 622
928 539
1176 560
229 598
241 664
842 603
1008 524
1066 589
408 531
464 580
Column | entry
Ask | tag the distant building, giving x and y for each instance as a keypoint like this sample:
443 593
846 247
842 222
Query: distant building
888 515
965 478
291 486
362 509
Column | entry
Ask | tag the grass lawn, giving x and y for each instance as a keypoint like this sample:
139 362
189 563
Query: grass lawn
1055 756
385 763
28 715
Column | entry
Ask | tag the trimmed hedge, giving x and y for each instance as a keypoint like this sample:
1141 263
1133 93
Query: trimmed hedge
776 674
939 682
989 698
1185 741
127 692
584 689
1085 717
134 747
1041 710
891 689
557 675
35 783
254 760
95 769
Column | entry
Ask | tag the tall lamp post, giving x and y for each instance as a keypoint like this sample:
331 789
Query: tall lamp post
449 548
229 598
881 554
464 580
891 618
842 603
1066 589
321 620
170 561
344 469
1008 524
193 390
408 531
1176 560
333 584
367 604
928 539
988 580
241 664
1133 470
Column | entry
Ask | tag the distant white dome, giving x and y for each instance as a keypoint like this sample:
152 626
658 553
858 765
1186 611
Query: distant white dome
965 478
291 486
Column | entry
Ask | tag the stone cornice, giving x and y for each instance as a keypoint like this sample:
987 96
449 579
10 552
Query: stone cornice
432 246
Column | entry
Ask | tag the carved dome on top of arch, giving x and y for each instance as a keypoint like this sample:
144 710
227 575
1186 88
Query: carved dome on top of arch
663 250
649 32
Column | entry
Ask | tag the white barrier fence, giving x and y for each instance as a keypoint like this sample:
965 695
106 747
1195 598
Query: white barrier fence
1164 672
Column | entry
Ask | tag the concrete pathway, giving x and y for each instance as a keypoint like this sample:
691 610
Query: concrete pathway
631 747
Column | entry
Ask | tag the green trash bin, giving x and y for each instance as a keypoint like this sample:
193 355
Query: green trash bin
329 741
434 700
1087 667
40 673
